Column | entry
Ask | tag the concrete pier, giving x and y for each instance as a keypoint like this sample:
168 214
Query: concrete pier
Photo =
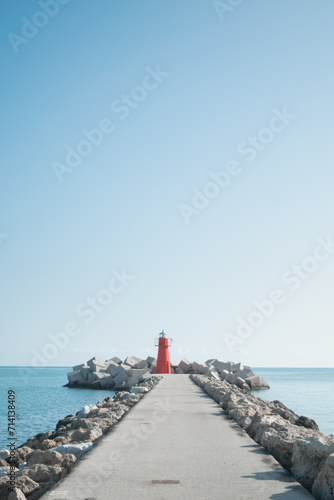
177 444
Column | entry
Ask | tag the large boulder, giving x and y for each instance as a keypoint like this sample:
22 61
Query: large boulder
323 487
74 449
309 456
84 412
4 454
19 455
42 473
306 422
81 434
49 457
17 494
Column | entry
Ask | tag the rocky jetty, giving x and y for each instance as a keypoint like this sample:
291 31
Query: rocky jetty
46 458
121 375
295 441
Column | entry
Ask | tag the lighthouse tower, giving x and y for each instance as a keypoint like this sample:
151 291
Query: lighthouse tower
163 363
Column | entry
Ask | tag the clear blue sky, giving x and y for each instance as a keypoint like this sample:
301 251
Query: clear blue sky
214 85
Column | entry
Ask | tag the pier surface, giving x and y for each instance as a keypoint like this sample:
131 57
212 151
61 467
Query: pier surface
177 443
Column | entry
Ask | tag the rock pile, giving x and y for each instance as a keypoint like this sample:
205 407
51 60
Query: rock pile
294 441
48 457
121 375
112 374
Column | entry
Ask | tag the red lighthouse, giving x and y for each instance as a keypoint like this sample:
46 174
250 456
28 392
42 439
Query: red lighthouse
163 363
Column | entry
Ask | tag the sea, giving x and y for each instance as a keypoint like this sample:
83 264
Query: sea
41 400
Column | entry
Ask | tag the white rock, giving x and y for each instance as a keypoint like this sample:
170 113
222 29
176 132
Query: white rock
6 470
137 390
85 411
74 449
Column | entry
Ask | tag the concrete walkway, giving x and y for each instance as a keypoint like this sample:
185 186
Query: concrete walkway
176 443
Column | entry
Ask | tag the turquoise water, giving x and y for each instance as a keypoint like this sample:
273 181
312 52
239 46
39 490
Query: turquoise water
307 391
40 399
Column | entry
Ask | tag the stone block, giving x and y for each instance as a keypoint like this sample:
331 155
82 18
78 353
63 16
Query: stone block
212 372
132 361
174 364
245 373
210 362
95 361
133 381
78 367
223 374
185 365
110 365
107 382
75 377
179 371
135 372
230 378
142 364
85 370
236 367
257 383
199 367
151 361
239 382
120 378
220 365
116 360
119 369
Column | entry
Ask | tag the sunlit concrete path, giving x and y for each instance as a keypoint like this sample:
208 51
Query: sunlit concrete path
176 443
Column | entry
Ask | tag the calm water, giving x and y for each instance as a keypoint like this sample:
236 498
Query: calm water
41 400
307 391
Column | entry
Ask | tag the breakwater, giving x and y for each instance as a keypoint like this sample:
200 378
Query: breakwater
295 441
46 458
121 375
